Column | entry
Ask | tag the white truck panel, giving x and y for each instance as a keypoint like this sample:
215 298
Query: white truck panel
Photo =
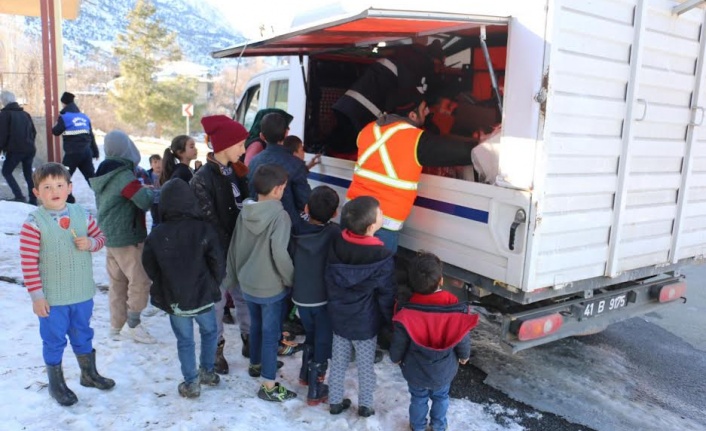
610 168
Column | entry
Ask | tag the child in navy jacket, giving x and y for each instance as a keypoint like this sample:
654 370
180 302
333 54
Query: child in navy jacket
431 337
310 243
361 289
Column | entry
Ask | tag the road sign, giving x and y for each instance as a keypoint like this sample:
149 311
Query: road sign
187 110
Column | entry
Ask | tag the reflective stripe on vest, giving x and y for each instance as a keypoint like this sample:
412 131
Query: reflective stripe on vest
388 64
390 179
370 106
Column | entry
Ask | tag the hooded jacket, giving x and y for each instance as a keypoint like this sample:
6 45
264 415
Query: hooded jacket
120 198
75 141
361 287
309 245
17 132
182 255
257 256
430 336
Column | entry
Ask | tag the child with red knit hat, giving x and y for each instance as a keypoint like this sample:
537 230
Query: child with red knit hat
221 187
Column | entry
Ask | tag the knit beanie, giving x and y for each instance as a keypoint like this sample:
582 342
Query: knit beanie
67 98
6 98
404 100
223 132
119 144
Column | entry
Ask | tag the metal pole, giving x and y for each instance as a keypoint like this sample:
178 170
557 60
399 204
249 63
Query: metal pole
187 125
50 78
493 79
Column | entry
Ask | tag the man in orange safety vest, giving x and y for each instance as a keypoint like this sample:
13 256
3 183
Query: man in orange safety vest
391 153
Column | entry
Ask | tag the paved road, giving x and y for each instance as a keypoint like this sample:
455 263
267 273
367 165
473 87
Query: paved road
641 374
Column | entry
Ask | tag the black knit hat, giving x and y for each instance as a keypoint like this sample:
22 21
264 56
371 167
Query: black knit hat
67 98
404 100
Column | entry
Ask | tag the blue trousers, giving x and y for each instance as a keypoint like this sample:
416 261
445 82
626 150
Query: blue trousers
12 160
419 407
390 238
72 320
319 334
183 328
265 332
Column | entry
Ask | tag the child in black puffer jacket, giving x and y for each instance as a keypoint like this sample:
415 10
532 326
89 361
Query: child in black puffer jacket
183 258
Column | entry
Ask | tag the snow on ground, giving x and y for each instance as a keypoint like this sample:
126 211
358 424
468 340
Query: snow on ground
145 396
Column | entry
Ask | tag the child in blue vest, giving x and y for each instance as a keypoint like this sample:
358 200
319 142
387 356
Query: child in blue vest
56 242
431 337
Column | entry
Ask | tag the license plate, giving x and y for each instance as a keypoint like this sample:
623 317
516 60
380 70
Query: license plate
602 306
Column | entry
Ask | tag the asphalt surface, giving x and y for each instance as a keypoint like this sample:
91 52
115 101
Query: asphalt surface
469 385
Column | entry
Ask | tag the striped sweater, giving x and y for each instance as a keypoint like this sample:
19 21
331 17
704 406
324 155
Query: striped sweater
30 238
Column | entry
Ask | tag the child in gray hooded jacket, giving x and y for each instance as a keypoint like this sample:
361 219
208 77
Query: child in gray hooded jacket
122 201
258 259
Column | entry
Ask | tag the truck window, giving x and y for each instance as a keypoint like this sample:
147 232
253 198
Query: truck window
277 94
248 107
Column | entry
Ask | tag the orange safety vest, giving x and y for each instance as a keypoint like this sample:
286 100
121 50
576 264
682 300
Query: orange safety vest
388 169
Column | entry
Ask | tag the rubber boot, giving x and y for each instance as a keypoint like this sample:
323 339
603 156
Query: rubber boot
307 354
318 391
246 345
57 386
89 375
221 365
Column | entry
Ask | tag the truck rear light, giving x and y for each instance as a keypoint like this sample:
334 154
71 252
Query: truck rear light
539 327
670 292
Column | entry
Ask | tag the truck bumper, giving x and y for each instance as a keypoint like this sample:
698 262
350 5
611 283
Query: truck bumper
589 315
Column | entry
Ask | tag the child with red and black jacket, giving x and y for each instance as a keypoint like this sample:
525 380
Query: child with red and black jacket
361 289
431 337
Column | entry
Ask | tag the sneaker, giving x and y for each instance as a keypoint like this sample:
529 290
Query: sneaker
140 335
277 394
365 412
255 370
288 348
190 390
208 378
115 333
337 409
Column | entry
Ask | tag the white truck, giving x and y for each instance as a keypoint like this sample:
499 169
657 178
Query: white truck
600 198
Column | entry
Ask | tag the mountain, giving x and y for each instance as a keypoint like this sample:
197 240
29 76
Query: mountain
200 29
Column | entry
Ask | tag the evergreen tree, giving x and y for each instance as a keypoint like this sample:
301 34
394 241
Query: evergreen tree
139 99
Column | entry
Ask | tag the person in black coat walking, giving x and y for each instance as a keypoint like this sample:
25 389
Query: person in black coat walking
17 135
183 257
79 142
431 337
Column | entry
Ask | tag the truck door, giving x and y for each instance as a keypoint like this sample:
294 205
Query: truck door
659 216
